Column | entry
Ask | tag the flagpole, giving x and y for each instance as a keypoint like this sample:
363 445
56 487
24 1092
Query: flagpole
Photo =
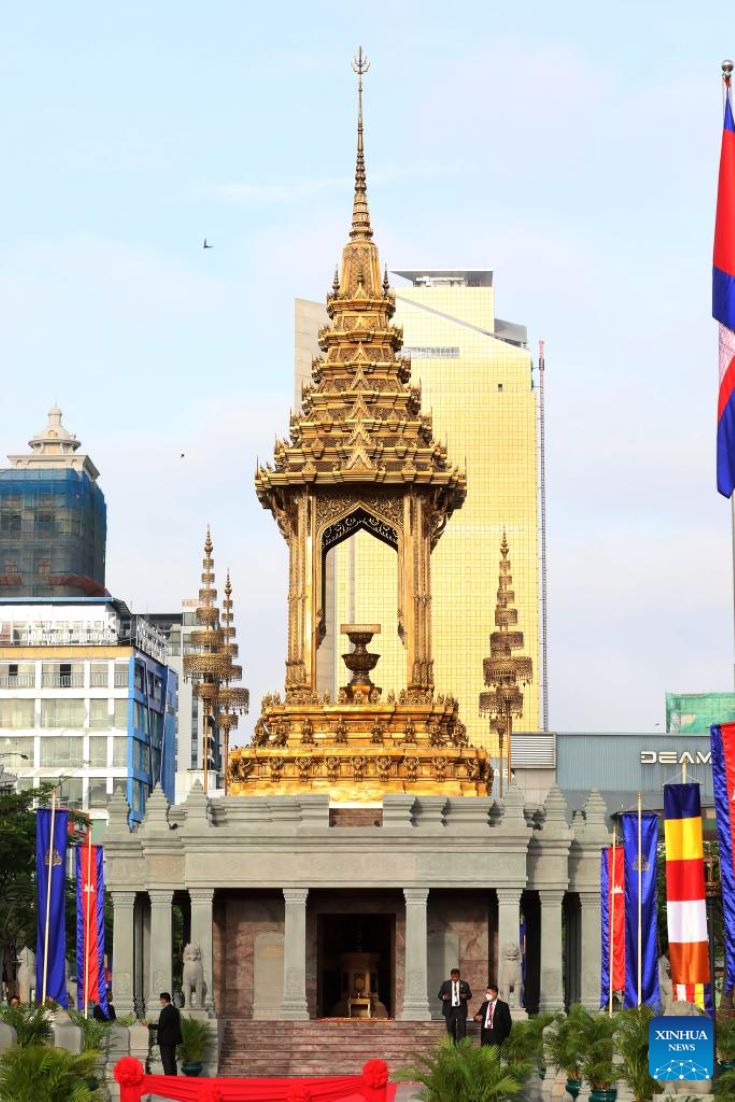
49 874
727 68
612 919
86 930
640 900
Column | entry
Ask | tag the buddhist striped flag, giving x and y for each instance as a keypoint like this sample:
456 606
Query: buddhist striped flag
686 910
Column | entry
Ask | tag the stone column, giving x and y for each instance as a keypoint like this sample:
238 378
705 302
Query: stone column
161 949
123 952
201 935
294 954
551 991
590 950
415 1001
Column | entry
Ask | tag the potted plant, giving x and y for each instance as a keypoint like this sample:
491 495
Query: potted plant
563 1044
31 1023
462 1073
597 1065
523 1050
39 1073
631 1043
196 1046
725 1035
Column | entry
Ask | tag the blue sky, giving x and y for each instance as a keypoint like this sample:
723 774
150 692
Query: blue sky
570 147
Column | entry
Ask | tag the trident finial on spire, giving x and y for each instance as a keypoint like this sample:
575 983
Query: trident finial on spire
360 213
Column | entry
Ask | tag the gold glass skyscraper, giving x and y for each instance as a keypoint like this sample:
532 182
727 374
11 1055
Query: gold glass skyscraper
475 374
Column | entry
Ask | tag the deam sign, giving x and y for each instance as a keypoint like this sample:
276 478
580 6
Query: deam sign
681 1048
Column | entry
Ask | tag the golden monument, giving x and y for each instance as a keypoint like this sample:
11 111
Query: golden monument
503 669
210 665
361 455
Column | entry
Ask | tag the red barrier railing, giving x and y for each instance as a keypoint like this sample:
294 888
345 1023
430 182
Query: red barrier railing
371 1086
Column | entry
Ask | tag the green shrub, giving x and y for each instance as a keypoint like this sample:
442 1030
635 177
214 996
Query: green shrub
725 1034
38 1073
462 1073
30 1022
597 1065
564 1043
631 1044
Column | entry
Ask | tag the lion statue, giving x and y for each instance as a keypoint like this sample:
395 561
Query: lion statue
26 974
664 983
193 978
510 981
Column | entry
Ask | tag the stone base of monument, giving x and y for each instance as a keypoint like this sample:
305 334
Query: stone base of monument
518 1014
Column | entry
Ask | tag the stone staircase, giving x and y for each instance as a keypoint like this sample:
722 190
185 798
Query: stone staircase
329 1046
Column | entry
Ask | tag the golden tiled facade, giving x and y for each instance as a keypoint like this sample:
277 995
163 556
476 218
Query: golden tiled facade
361 459
474 371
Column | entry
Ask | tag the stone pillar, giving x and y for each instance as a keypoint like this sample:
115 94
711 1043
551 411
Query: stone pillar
551 993
201 935
123 952
415 1001
294 954
590 950
160 971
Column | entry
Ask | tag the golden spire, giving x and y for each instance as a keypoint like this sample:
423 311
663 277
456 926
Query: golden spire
504 669
360 213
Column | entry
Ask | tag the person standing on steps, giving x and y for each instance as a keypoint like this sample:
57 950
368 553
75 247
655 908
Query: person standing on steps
169 1033
455 994
494 1018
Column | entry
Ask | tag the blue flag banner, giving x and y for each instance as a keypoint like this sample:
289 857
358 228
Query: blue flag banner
51 882
649 957
722 741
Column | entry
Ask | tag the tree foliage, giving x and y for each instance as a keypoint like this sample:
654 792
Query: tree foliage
31 1024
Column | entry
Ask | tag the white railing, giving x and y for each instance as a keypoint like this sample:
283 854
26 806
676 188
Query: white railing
17 681
99 679
62 681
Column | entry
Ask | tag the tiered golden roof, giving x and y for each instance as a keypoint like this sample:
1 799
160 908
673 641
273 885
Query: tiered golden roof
505 671
360 455
210 663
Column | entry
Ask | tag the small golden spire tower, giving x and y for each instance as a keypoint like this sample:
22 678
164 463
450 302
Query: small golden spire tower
361 455
503 669
210 664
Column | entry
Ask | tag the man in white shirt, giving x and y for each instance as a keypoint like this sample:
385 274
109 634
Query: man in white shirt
455 994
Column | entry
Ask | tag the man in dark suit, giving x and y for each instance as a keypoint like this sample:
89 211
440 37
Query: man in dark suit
455 994
494 1018
169 1033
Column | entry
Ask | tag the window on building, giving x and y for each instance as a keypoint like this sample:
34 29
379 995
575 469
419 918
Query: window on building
16 713
62 752
120 719
140 717
10 522
138 796
62 713
99 714
120 752
98 751
70 791
44 521
17 752
121 675
139 677
98 792
99 675
141 756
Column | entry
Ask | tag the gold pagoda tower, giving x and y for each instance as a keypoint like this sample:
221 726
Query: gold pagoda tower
361 455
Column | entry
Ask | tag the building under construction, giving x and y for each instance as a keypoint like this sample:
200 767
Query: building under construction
53 519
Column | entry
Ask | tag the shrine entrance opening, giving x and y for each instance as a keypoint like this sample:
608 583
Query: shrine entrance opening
356 965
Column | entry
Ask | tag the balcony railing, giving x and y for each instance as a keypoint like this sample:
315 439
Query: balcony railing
121 679
17 681
62 681
99 679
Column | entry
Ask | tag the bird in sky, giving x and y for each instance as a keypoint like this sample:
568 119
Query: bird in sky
182 455
206 244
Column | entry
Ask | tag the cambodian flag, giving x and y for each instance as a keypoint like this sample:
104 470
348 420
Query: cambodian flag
723 302
91 983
